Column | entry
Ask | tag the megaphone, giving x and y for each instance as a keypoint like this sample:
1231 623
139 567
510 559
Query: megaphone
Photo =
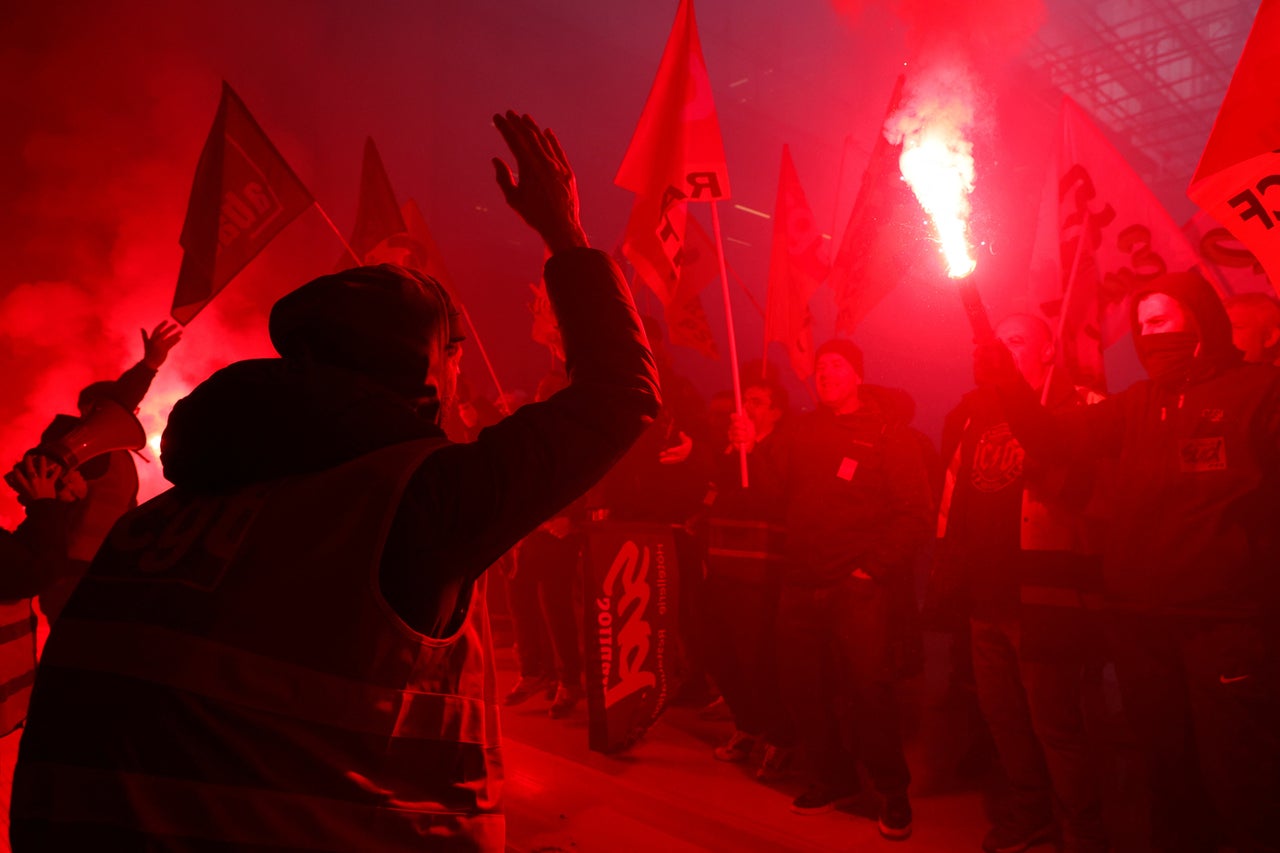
107 428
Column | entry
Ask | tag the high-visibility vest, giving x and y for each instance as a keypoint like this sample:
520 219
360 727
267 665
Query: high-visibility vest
229 673
17 661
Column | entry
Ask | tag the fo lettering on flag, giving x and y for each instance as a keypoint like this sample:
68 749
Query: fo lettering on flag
243 195
676 156
1238 179
1101 236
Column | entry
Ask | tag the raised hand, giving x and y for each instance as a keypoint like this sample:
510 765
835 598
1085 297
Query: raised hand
156 346
543 189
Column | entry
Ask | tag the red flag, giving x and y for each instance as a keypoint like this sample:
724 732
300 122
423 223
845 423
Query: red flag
882 241
1238 177
676 156
1236 267
797 265
243 194
424 254
1102 234
686 319
379 226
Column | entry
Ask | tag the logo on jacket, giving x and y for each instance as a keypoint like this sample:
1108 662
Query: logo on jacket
997 460
1203 454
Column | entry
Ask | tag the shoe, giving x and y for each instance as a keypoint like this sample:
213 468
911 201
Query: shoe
567 698
775 764
717 709
1014 837
738 747
820 798
895 818
529 686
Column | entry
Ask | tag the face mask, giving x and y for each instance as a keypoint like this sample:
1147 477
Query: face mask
1169 357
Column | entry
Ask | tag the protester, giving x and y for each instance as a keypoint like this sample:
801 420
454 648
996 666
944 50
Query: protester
857 507
290 648
1189 561
743 581
32 558
1255 326
111 478
541 594
1014 549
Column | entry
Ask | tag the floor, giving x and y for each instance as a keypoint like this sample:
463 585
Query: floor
668 793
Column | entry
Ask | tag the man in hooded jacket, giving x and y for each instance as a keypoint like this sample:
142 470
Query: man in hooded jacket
1189 560
290 649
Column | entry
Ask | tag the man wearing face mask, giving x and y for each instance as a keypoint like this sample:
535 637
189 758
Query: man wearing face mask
1189 564
290 649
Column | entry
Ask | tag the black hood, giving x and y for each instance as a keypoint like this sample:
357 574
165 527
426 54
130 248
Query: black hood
258 420
1197 296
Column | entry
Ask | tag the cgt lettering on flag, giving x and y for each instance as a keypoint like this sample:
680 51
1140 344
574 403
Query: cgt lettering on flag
243 195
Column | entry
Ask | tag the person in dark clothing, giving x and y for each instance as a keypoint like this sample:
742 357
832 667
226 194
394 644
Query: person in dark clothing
290 649
1255 326
112 478
31 557
857 507
541 594
1189 562
741 591
1015 544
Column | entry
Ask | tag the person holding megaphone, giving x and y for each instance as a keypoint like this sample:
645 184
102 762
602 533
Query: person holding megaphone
96 446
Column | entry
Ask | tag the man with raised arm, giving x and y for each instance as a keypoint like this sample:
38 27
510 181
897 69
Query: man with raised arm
1189 560
290 648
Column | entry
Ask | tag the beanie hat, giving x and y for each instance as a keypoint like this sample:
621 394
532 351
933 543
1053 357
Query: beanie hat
846 349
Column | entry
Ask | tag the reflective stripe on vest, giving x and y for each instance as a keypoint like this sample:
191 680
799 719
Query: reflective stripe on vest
17 661
229 671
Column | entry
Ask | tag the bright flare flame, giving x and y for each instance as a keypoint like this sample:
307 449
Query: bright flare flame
937 157
939 169
154 444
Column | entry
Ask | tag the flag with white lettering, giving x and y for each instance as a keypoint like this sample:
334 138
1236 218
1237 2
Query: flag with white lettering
1237 268
630 629
687 324
1101 235
797 265
676 156
1238 179
243 195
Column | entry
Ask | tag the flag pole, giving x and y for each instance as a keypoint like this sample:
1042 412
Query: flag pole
1062 309
733 341
341 239
484 355
475 336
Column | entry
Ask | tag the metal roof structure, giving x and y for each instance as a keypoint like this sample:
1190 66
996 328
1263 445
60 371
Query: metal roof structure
1151 72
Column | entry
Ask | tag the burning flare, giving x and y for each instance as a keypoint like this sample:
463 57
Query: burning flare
937 158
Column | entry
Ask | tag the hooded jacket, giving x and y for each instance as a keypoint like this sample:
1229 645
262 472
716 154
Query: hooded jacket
250 702
1197 472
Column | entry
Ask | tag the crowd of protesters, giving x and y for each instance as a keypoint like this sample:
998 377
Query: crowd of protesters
1069 538
1065 532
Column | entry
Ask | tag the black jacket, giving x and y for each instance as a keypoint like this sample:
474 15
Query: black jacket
856 494
1197 475
255 421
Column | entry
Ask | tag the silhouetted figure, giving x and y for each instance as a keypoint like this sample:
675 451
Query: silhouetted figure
290 648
